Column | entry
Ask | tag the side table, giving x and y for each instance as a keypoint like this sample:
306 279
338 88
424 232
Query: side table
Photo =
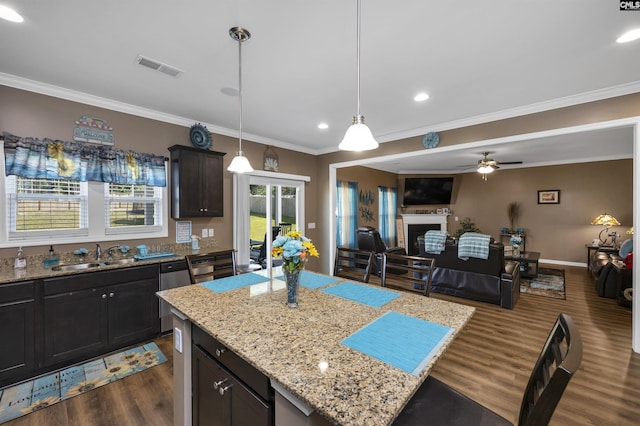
528 258
595 248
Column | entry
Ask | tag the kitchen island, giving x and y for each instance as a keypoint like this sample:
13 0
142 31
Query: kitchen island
300 350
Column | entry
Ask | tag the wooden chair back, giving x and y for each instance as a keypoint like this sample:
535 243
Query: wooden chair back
411 273
209 266
559 360
285 228
353 264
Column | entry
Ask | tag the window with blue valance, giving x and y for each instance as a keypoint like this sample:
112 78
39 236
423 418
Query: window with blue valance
48 159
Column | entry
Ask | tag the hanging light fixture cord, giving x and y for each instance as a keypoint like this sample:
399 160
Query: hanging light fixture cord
358 64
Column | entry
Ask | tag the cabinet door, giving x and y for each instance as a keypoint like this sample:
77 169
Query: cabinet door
75 325
220 398
196 182
17 334
209 407
211 185
133 312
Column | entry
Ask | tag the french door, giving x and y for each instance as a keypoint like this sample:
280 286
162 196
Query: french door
264 204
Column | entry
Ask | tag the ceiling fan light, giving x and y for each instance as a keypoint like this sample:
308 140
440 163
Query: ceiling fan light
484 169
240 164
358 137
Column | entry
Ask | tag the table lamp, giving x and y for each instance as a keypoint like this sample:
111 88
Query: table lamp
606 220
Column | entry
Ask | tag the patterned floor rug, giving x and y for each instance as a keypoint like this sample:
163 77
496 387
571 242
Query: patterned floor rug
548 283
33 395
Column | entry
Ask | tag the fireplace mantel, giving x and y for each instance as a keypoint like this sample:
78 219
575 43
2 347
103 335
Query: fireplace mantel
422 219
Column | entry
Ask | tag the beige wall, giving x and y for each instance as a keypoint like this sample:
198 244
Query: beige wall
24 113
368 180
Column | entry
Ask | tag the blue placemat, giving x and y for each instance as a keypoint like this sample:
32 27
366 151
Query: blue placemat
361 293
221 285
313 281
402 341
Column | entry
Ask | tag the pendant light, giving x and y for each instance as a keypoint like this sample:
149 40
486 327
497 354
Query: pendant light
240 163
358 136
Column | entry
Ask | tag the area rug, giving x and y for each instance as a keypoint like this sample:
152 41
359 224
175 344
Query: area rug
548 283
33 395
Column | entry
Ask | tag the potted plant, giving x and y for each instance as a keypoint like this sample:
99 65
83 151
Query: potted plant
466 225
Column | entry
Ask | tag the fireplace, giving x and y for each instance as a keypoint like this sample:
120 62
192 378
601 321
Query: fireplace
418 224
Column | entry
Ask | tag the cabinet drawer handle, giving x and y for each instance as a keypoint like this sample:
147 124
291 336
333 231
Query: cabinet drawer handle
111 294
219 352
104 295
216 385
224 389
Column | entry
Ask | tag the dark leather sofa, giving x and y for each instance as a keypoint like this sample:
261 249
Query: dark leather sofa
610 276
491 280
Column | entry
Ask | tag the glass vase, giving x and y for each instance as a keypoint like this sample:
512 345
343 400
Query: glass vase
516 251
292 279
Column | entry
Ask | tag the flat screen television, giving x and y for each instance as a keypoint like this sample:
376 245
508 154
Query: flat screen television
427 190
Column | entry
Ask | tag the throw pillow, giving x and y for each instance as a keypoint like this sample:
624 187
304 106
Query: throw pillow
625 248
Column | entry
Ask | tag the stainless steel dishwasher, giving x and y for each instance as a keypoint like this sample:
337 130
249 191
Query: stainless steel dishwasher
172 274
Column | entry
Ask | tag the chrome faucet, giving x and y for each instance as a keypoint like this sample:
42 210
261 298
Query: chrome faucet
98 252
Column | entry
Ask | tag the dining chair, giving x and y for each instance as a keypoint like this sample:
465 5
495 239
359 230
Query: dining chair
435 403
412 273
285 228
353 264
209 266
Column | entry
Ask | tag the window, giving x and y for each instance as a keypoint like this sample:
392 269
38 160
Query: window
46 207
132 207
58 211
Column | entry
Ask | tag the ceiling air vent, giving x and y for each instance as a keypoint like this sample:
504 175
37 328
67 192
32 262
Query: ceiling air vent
158 66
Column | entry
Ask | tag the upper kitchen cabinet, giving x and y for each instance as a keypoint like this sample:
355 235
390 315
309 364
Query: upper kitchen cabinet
196 182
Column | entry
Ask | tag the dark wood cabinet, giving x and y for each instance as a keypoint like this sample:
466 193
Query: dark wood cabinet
17 330
196 182
222 387
88 314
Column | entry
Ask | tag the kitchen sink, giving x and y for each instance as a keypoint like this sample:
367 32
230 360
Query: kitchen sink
75 267
121 261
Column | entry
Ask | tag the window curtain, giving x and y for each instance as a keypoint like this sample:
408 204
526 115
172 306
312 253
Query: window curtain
387 214
347 214
78 161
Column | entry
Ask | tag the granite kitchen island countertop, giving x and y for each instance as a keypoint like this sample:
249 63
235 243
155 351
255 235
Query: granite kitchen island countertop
301 348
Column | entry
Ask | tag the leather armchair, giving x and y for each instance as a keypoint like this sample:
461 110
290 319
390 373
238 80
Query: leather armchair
369 240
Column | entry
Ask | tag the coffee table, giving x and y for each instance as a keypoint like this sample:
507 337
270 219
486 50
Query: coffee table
529 260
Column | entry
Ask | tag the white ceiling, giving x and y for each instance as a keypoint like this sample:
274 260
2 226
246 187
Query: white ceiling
479 61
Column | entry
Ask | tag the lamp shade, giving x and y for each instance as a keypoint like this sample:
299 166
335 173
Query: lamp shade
485 169
358 137
605 220
240 164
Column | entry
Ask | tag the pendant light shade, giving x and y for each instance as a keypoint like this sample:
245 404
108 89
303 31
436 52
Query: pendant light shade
240 163
358 136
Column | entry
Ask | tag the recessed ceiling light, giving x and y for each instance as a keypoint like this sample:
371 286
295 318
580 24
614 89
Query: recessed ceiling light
629 36
10 14
421 97
323 126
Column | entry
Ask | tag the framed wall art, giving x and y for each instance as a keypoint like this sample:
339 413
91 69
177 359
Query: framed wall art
550 196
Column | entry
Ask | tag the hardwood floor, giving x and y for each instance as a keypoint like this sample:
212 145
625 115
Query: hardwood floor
492 358
145 398
490 362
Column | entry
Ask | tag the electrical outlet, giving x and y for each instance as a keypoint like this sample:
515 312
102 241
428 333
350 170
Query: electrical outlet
211 232
204 233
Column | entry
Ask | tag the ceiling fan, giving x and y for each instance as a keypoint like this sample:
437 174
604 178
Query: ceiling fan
487 165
